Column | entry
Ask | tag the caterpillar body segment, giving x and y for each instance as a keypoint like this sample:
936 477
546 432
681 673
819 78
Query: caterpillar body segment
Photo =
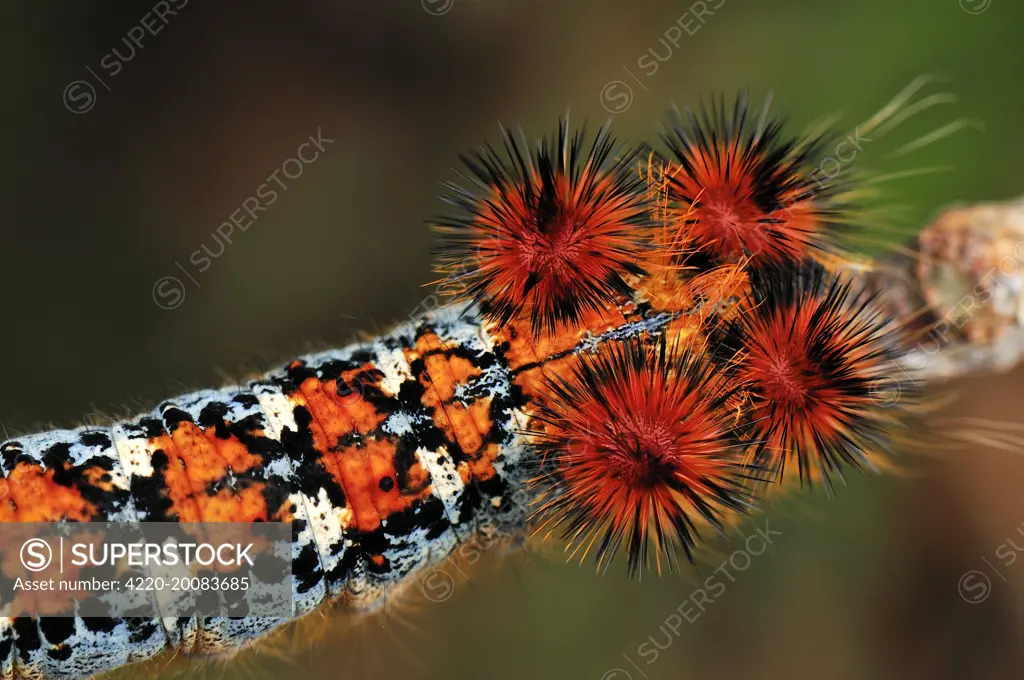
77 475
383 455
344 445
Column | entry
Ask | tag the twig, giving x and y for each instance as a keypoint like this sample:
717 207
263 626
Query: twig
962 284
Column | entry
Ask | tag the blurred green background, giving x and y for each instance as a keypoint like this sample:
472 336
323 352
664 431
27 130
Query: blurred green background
110 186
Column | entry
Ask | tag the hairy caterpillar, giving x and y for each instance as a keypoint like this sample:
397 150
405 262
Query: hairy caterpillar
580 276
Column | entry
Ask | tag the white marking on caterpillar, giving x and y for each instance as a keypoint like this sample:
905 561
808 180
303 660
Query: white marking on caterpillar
406 544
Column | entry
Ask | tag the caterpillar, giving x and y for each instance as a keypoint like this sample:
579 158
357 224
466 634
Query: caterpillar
603 371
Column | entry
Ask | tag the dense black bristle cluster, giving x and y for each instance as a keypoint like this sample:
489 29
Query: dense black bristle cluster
818 359
639 448
786 364
743 189
553 234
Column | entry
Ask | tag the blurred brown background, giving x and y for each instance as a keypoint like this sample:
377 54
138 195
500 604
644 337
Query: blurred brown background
116 176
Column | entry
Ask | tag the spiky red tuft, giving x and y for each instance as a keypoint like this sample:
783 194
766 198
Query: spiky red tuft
553 234
741 190
637 441
819 361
